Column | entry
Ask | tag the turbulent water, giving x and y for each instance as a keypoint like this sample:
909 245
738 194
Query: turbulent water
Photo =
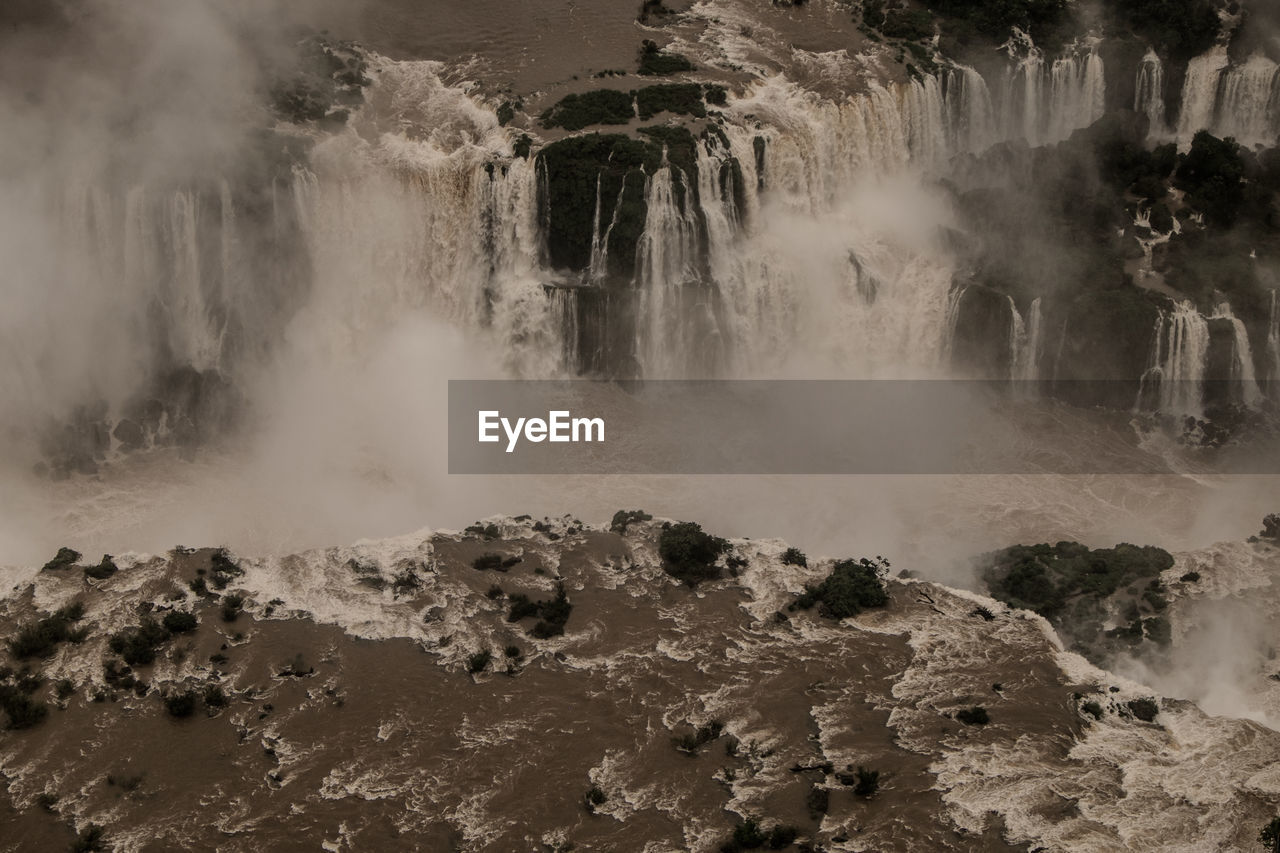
201 351
349 709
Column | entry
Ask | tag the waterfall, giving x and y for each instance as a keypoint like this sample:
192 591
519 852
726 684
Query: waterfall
970 115
674 338
1185 352
1045 111
1024 342
1242 369
1246 107
923 121
1273 339
1148 97
1200 93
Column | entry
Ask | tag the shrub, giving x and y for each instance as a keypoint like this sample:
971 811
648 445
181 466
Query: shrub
910 24
232 606
64 688
1093 709
553 615
105 568
782 836
512 652
794 557
866 782
89 840
1190 577
495 592
623 518
975 716
1269 837
1212 175
680 98
1144 709
594 797
602 106
689 554
137 646
180 622
181 704
22 710
818 800
214 697
852 586
700 736
746 836
41 638
657 62
65 557
477 662
716 95
487 562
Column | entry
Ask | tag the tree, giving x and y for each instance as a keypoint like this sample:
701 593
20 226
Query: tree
1269 837
689 554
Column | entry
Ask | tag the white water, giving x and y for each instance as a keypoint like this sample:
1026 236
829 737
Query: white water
1044 103
1242 369
1148 97
1024 342
1241 101
1273 339
1182 357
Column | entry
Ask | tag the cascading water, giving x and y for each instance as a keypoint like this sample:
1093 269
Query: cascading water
1148 97
1246 103
1273 339
1242 369
1200 93
970 115
1024 342
1043 105
1182 358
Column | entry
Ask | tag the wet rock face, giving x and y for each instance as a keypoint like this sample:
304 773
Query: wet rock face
184 408
325 696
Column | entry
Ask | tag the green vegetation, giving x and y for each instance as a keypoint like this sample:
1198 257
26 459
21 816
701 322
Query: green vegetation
689 554
975 716
137 646
993 20
680 98
22 710
867 782
477 662
794 557
214 697
554 614
909 24
487 562
1179 29
655 62
623 518
42 637
180 622
699 737
1269 837
1212 174
601 106
817 801
750 835
105 568
594 797
90 840
852 586
1044 578
181 704
1144 709
232 607
1190 577
65 557
1093 709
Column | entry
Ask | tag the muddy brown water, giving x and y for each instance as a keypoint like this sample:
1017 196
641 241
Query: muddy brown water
390 744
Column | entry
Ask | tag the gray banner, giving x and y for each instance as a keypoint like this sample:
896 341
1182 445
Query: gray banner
844 427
